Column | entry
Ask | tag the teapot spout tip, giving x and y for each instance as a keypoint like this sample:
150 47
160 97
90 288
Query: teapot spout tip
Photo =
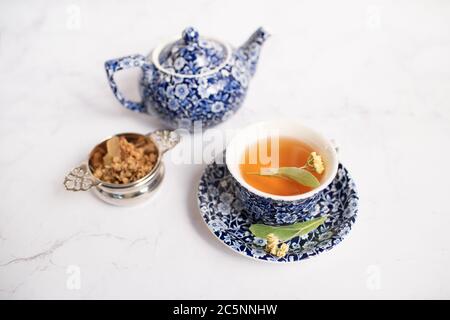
251 48
261 35
257 38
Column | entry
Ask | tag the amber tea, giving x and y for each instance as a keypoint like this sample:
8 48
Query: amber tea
279 152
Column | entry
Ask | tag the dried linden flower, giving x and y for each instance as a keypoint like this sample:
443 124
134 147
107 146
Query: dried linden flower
124 162
317 163
113 150
272 244
281 252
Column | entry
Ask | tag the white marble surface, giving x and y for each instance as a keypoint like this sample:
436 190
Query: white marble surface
374 75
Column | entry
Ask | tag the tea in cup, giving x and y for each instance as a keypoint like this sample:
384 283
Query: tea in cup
279 169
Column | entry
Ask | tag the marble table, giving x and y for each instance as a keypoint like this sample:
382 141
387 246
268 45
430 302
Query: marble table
373 75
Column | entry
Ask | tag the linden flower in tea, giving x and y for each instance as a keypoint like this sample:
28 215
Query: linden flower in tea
317 162
298 167
301 175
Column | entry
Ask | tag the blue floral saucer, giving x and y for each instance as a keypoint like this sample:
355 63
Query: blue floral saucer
222 212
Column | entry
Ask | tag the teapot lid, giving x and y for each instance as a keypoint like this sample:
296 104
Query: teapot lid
192 55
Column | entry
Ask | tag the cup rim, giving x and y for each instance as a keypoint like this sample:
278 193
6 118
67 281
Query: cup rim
327 144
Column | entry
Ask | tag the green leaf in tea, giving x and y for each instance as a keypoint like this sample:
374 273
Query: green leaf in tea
285 233
299 175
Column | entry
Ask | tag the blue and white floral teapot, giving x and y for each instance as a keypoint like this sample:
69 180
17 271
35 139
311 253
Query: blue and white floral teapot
193 80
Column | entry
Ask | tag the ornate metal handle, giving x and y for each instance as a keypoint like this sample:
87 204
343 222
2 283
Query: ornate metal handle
165 139
80 179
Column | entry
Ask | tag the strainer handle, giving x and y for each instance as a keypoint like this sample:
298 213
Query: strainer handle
165 139
80 179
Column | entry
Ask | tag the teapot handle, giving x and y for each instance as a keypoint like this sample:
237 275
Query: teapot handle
114 65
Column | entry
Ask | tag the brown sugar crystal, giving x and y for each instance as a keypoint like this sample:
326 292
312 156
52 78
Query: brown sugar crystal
124 162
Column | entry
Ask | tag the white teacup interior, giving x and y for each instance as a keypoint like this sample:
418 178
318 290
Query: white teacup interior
281 128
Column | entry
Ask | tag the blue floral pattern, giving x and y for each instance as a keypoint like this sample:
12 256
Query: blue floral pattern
192 55
198 81
180 102
217 191
275 212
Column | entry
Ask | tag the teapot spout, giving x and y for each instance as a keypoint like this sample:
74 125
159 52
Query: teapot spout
251 48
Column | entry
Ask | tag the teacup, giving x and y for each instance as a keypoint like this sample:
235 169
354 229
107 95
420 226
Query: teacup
273 209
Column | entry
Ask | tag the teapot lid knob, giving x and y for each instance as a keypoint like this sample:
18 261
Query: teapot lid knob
190 35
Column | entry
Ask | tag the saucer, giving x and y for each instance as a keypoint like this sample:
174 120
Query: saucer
224 215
